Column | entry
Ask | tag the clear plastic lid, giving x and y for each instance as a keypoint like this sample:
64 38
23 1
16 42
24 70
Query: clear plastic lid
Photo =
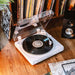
29 26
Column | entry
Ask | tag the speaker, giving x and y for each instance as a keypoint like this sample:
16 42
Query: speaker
68 30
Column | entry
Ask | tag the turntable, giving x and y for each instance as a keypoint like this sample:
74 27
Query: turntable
38 45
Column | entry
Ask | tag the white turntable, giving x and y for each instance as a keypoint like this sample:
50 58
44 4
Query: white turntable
36 58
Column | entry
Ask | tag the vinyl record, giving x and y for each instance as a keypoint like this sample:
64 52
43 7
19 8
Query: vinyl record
37 44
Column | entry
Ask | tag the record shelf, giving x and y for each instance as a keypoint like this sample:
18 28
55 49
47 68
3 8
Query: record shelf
21 9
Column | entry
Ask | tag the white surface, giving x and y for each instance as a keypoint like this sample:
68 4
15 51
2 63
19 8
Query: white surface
34 59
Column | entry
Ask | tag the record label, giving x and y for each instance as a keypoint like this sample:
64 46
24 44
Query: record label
37 44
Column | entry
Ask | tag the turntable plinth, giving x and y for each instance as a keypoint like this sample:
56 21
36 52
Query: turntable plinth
12 62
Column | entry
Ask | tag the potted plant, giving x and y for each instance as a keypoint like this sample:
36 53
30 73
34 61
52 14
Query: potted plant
3 3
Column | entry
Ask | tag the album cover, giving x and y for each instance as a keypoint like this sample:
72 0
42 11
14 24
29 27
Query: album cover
38 2
27 9
31 8
63 68
22 3
57 8
49 4
41 6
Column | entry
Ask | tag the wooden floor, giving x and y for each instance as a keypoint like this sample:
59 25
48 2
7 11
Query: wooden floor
13 63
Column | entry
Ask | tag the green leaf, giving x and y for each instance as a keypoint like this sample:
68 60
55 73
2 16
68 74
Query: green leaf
6 1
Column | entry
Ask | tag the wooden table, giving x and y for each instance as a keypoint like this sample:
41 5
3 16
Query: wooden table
13 63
